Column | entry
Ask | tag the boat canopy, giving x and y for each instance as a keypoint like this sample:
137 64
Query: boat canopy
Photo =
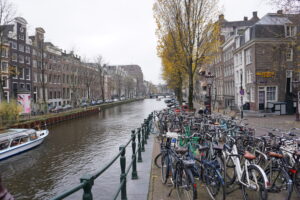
13 133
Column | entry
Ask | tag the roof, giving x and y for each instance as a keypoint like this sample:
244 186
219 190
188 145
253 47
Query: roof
12 133
273 19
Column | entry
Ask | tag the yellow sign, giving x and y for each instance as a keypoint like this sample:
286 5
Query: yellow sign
265 74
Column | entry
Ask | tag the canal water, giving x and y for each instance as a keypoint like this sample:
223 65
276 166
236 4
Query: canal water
75 148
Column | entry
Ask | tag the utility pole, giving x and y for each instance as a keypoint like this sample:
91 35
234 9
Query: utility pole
242 95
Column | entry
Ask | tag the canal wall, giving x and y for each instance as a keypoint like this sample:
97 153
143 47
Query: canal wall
55 118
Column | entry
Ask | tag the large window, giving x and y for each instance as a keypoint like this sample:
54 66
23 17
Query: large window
14 45
27 60
27 49
271 94
27 73
21 59
21 47
21 73
290 31
4 82
4 52
14 57
4 67
248 56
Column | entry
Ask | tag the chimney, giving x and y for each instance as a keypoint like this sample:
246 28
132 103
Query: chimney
221 17
279 12
245 18
254 14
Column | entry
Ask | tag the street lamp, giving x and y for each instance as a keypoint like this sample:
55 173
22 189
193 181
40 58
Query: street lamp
209 79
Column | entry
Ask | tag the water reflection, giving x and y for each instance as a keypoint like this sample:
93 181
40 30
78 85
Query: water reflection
75 148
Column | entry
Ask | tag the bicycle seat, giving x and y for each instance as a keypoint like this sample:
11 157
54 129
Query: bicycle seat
275 155
181 150
249 156
202 148
218 147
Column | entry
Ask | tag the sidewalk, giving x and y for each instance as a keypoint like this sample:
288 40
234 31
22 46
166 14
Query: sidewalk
138 189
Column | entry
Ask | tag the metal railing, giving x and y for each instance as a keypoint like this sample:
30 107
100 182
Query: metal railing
87 181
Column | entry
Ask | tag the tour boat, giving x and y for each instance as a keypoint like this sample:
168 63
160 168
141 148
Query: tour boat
15 141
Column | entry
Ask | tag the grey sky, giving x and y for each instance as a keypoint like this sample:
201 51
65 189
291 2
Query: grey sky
122 31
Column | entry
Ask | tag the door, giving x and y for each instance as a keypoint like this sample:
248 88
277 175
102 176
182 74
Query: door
261 100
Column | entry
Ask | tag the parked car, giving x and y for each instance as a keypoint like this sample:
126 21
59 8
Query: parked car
67 107
57 109
93 103
99 102
115 100
83 104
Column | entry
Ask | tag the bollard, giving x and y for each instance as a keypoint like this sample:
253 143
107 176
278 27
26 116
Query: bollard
139 146
145 127
133 157
123 175
145 135
143 139
87 188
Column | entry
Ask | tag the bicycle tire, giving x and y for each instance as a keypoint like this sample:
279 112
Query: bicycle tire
214 183
254 194
164 168
157 161
280 185
230 173
185 185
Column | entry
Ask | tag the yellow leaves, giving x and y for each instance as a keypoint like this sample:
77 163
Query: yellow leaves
9 112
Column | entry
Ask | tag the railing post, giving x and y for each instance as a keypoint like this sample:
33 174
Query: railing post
133 157
123 175
143 139
145 133
146 128
139 146
87 188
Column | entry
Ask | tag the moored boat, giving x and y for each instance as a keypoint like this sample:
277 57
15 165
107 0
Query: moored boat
15 141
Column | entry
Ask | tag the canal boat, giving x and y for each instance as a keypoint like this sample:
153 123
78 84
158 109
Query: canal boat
15 141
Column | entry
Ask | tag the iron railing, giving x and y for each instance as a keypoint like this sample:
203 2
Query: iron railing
87 181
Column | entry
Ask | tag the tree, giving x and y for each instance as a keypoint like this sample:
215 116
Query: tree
100 65
89 76
129 86
190 25
7 15
288 6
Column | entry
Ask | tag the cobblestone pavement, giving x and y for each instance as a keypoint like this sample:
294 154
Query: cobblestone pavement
159 191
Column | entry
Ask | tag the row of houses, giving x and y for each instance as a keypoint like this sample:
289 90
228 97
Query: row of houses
256 65
53 77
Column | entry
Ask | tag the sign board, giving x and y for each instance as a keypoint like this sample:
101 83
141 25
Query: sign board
24 101
265 74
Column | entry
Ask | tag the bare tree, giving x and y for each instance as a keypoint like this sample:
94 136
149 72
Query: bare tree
7 15
100 65
288 6
129 86
89 77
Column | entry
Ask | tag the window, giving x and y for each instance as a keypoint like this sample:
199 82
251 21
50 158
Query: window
34 63
21 74
248 56
21 59
27 49
28 86
289 54
4 144
21 47
14 45
27 73
4 52
4 81
290 31
14 72
4 67
50 95
271 94
247 35
27 60
14 57
21 37
6 96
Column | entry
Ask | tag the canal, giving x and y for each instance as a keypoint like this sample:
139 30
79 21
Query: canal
75 148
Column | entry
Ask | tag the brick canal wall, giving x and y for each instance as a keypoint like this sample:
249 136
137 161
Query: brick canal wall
55 118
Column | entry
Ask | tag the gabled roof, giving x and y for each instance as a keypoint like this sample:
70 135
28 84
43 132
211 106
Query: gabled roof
273 19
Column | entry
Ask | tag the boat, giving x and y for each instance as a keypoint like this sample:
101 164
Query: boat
15 141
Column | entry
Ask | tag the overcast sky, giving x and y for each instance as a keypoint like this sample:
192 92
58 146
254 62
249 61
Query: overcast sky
122 31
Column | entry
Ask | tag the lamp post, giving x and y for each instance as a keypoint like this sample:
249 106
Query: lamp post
242 95
209 79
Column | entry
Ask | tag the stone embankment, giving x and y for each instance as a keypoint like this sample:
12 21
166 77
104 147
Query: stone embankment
55 118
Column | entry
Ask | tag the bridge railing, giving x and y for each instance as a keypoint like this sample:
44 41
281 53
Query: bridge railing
87 181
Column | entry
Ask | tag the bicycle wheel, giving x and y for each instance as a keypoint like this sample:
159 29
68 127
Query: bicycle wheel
185 186
157 161
255 189
230 173
164 168
214 183
280 184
